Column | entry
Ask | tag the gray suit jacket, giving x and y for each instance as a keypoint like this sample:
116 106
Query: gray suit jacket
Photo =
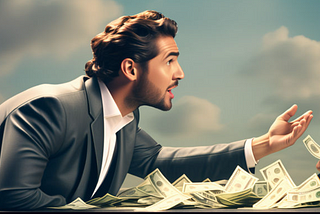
52 143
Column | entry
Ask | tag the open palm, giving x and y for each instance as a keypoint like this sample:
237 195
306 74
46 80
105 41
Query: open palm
283 133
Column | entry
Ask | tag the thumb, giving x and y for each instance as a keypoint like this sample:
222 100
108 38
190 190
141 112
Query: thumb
289 113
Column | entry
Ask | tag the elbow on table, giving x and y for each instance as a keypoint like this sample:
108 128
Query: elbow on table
27 200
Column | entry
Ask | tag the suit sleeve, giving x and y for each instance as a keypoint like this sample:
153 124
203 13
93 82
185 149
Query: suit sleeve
31 134
198 163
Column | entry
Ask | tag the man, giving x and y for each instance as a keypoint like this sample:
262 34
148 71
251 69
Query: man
81 138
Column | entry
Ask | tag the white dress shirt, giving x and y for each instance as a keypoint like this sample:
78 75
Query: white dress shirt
113 122
251 161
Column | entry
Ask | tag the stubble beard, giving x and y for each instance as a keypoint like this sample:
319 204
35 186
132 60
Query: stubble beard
146 93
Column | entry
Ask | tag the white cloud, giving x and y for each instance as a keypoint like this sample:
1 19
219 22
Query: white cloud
290 65
33 28
190 116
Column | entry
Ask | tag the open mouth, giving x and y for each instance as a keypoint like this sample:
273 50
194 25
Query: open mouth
171 94
170 89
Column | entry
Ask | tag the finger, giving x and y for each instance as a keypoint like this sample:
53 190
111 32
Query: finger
296 132
309 119
293 124
289 113
305 122
305 115
318 165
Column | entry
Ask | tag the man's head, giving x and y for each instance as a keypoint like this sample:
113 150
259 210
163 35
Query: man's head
131 37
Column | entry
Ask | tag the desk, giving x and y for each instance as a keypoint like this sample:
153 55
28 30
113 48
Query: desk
126 210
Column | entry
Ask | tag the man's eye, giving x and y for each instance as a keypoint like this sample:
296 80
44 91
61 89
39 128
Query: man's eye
169 62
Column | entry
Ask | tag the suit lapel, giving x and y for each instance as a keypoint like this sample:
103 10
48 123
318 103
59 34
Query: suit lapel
125 139
121 161
125 147
95 110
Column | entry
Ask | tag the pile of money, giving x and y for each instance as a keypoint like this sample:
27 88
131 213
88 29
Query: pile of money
242 190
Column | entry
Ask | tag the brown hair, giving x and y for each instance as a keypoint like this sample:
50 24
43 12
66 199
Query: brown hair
127 37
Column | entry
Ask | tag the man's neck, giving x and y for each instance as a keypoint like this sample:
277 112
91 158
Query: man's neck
120 92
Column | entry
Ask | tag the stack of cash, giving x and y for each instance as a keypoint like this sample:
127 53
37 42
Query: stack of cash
242 190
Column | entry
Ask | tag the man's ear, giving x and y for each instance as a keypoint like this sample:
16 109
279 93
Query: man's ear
128 69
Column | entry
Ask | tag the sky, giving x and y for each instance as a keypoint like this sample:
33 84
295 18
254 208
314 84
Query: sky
245 63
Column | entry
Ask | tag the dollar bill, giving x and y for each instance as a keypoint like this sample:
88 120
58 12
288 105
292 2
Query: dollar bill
312 146
202 186
207 180
149 200
240 180
77 204
284 203
238 199
306 196
181 181
132 193
161 184
274 172
293 205
276 194
106 200
205 201
168 202
310 183
148 188
261 188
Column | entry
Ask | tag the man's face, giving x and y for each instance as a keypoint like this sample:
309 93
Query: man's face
154 86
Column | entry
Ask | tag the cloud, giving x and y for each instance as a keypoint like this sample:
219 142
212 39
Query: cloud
33 28
261 122
290 65
190 116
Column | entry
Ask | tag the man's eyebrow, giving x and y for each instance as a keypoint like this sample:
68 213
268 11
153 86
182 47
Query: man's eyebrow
172 54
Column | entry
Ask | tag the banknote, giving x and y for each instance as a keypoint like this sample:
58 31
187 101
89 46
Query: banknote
106 200
276 194
148 188
240 180
77 204
148 200
168 202
305 196
156 193
284 203
312 146
206 201
132 193
201 187
180 182
161 184
261 188
310 183
274 172
238 199
207 180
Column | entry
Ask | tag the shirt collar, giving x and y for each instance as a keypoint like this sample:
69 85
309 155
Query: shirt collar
112 110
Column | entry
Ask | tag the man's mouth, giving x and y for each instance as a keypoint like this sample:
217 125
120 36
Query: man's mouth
172 87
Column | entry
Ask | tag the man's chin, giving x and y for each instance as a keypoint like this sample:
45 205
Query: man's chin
163 107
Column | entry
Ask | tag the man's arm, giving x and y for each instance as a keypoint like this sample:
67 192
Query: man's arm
282 133
32 133
198 163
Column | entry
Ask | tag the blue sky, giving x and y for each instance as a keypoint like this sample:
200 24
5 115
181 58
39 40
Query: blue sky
245 62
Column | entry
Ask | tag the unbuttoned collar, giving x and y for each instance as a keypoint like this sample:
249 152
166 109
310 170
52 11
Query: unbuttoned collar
111 110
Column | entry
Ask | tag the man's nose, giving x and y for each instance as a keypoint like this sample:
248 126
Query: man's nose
179 74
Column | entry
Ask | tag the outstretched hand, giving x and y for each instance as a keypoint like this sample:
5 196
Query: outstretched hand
283 133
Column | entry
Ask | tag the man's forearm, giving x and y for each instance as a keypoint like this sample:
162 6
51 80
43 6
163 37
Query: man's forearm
261 147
